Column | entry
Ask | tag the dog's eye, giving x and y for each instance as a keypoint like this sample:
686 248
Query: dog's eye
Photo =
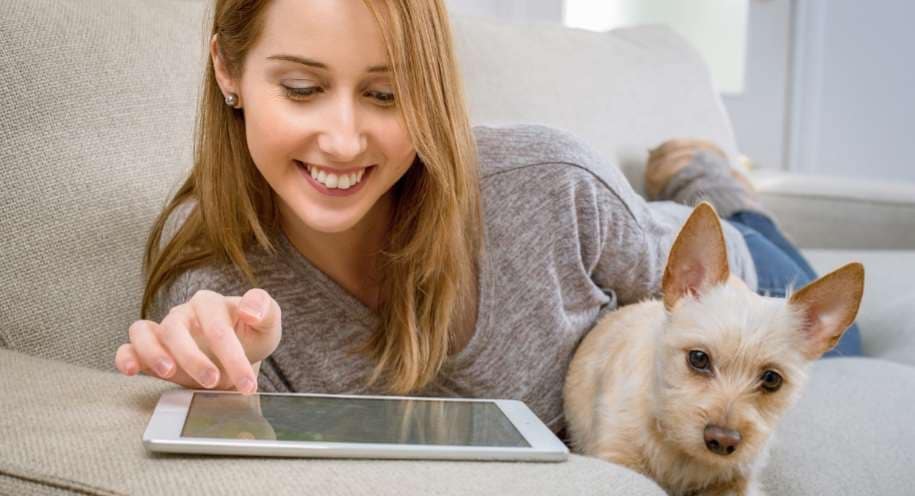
771 381
699 360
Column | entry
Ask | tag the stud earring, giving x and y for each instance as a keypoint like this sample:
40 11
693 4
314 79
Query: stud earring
231 99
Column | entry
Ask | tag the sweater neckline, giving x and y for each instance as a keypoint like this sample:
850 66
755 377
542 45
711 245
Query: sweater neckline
338 296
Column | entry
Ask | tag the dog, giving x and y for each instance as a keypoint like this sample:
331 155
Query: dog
688 389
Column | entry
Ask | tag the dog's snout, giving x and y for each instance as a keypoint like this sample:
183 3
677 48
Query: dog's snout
720 440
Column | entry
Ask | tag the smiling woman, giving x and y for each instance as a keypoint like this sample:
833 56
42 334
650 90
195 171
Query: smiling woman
327 142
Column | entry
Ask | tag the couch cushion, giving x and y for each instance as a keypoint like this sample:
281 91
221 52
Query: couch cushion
97 105
850 434
67 427
887 314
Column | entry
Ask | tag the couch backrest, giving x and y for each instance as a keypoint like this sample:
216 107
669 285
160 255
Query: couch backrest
623 91
97 104
97 107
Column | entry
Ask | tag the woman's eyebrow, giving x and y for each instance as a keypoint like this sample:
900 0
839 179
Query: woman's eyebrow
320 65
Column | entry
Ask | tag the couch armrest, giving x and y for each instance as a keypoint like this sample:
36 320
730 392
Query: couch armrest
840 213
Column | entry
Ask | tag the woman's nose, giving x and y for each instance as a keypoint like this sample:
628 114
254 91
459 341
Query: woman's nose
343 139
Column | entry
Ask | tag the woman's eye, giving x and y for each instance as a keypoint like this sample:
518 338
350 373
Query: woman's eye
699 361
385 98
301 92
771 381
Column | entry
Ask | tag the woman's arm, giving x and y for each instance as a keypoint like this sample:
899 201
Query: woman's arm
630 238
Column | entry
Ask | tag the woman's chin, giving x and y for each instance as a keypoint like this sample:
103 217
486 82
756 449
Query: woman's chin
331 222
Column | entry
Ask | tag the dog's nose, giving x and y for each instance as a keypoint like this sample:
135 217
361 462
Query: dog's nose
721 441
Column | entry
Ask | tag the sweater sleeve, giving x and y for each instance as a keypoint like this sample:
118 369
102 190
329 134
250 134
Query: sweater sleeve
624 240
625 248
636 236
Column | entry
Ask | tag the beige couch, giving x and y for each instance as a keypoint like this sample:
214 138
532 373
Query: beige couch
97 102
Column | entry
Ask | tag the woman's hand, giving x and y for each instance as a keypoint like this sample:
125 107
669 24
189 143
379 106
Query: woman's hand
212 341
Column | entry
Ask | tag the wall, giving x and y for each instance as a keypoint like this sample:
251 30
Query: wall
855 106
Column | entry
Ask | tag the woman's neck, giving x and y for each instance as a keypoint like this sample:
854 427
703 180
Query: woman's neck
348 257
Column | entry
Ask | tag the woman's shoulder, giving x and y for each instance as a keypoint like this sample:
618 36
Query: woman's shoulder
552 157
511 146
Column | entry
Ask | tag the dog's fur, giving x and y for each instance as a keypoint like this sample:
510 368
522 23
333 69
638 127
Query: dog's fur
632 396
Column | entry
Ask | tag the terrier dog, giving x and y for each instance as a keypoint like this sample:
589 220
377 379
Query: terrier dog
688 389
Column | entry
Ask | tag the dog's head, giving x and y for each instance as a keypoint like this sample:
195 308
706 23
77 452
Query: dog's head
731 361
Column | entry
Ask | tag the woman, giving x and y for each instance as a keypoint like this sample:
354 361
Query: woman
337 175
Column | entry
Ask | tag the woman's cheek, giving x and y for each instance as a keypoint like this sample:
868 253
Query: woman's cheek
272 139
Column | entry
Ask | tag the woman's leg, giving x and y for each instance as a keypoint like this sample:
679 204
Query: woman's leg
705 174
764 225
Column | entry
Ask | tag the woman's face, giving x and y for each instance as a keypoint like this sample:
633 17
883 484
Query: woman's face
318 100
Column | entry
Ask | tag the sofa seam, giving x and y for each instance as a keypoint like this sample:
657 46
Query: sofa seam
24 474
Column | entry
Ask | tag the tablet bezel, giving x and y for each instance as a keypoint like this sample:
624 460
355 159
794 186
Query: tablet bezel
163 434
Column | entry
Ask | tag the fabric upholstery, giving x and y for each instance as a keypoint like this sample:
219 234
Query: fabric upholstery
97 111
840 213
623 91
850 434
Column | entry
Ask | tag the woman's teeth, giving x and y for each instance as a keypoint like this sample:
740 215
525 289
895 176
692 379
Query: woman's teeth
332 181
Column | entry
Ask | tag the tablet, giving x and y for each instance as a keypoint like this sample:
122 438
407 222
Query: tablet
348 426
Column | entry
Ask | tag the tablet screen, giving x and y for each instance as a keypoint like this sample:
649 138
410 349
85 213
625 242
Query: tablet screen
350 420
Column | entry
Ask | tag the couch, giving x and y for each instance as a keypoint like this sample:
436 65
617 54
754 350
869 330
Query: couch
97 104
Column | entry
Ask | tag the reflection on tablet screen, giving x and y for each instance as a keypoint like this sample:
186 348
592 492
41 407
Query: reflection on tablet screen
349 420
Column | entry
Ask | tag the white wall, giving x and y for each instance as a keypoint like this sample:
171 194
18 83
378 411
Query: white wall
856 100
760 113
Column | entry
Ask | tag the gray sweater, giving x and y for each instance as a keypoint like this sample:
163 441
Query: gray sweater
566 240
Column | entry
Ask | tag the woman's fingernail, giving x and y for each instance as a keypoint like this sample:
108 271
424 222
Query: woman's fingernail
210 378
247 386
163 367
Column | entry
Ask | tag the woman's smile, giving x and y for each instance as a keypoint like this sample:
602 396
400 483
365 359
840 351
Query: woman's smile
333 182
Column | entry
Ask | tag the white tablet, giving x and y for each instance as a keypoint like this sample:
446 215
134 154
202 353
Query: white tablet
349 426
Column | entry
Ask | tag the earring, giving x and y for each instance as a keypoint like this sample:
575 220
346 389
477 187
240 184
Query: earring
231 99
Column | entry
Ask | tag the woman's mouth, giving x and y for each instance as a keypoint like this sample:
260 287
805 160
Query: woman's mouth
333 182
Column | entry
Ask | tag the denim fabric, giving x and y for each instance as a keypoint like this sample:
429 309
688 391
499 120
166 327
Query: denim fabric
779 265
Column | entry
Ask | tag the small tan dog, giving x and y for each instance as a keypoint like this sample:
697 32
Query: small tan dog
687 390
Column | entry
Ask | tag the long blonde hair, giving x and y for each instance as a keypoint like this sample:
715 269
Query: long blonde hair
429 260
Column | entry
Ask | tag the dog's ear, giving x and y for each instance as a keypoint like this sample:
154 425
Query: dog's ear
829 306
698 258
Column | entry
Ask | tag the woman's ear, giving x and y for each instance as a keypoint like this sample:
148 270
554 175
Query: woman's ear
225 82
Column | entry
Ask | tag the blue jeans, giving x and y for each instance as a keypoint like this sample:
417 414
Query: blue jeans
780 265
